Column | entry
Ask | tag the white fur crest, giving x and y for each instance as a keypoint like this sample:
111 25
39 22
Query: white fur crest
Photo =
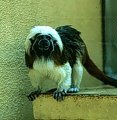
44 30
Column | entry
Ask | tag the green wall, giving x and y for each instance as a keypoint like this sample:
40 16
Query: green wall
17 17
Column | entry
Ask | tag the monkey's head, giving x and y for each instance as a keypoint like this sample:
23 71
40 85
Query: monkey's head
43 40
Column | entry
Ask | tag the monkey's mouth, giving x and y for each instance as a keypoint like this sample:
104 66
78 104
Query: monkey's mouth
43 47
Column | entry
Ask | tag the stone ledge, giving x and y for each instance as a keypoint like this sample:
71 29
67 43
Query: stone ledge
78 106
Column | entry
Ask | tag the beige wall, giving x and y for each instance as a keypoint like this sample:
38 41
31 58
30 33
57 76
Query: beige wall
16 19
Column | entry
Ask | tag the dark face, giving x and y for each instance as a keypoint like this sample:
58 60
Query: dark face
43 45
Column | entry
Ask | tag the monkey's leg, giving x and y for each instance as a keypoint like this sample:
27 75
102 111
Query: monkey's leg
77 73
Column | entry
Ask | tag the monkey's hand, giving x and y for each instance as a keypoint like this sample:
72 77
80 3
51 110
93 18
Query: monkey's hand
59 95
32 96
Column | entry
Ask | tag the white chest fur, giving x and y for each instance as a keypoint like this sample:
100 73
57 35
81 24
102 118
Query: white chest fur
46 75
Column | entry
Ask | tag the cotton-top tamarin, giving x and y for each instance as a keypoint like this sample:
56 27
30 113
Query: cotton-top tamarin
55 58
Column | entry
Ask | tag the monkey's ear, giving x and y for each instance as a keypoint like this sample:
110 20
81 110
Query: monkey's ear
29 60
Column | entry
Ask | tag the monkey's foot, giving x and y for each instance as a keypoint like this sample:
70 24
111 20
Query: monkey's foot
59 95
73 90
32 96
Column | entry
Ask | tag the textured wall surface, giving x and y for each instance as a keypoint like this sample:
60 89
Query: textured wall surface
14 84
16 18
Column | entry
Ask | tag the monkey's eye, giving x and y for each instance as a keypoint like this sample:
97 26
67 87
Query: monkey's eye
48 37
55 42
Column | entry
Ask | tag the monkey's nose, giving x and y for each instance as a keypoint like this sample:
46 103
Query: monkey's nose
43 44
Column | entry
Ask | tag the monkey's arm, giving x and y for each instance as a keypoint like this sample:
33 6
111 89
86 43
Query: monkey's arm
29 63
64 82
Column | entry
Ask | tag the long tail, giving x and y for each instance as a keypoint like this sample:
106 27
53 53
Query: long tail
96 72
